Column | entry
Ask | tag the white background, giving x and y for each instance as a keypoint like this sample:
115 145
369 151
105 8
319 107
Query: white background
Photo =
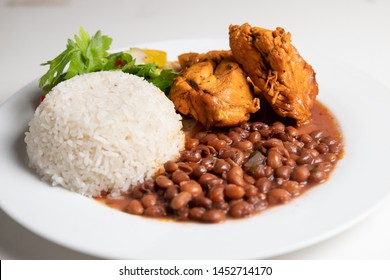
355 31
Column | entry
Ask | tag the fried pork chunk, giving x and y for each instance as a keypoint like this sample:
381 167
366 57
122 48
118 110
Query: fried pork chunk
285 79
213 89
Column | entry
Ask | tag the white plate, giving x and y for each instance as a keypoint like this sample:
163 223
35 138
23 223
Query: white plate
358 184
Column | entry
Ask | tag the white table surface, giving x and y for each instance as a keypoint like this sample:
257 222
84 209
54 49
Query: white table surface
357 31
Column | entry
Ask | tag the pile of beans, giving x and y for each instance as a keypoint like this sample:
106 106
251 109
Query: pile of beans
236 173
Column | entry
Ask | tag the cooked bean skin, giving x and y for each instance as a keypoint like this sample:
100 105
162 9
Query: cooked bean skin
193 187
213 216
234 192
155 211
237 172
191 143
283 172
317 176
264 184
149 200
301 173
170 166
171 192
293 187
181 200
221 166
278 195
179 176
197 213
163 181
235 176
216 194
202 201
135 207
241 209
199 170
274 159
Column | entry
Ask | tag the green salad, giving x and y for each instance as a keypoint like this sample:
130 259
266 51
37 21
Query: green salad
86 54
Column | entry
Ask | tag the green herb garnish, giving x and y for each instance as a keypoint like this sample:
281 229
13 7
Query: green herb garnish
87 54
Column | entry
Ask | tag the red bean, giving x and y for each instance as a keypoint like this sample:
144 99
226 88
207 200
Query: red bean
274 159
263 184
254 137
155 211
234 136
179 176
208 162
208 137
249 179
216 194
205 150
218 144
186 167
317 134
278 195
198 171
206 178
149 200
235 176
329 140
290 162
292 131
197 213
244 145
135 207
311 145
305 138
180 200
214 216
317 176
335 147
225 138
221 166
262 171
256 126
191 143
233 153
170 166
251 190
241 131
163 181
190 156
234 192
330 157
283 172
305 158
273 142
322 148
193 187
292 187
171 192
300 173
202 201
241 209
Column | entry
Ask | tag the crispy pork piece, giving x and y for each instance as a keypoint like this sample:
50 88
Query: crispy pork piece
274 65
215 92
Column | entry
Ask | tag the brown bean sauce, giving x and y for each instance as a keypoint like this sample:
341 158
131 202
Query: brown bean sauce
239 171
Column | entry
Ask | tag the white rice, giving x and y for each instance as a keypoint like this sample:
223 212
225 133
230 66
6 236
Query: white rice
103 131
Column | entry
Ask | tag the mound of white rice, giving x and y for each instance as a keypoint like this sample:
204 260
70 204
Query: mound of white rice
103 131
